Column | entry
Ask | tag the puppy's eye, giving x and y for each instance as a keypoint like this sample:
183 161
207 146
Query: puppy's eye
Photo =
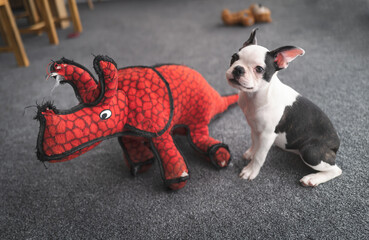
235 57
259 69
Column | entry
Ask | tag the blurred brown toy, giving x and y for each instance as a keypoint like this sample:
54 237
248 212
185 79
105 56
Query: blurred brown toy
243 17
260 13
247 17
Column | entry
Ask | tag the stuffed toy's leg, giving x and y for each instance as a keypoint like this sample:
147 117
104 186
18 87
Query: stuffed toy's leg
137 154
217 152
173 167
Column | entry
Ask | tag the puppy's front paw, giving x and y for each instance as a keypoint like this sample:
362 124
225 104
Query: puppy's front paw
250 171
310 180
248 155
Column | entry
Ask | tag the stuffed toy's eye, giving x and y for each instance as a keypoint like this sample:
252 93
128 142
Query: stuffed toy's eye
259 69
105 114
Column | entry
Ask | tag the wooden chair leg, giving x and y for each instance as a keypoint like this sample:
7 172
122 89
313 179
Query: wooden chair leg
31 10
75 15
49 21
32 14
90 4
60 13
12 34
2 30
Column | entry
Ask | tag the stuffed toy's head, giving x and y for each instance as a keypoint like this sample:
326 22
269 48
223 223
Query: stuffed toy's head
101 113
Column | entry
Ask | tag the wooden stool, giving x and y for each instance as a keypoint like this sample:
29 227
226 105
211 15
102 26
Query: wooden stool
90 4
31 11
47 24
74 16
11 34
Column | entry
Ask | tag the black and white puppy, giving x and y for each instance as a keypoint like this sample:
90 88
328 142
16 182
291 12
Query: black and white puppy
279 115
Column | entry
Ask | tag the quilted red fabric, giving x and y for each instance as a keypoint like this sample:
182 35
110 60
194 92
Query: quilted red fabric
141 106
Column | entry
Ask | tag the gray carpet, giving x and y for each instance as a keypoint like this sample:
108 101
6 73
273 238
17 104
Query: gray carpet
95 197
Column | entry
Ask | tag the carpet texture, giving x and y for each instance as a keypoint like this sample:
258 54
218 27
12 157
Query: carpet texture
95 197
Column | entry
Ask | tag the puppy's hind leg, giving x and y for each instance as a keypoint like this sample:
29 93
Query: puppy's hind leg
325 165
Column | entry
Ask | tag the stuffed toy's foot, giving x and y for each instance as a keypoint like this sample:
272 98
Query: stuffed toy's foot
137 154
173 167
219 155
217 152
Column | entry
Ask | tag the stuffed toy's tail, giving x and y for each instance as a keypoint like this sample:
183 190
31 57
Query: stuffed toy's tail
225 102
230 100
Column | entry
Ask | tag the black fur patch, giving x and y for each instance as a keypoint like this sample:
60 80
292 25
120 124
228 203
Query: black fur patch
270 67
251 40
235 57
310 131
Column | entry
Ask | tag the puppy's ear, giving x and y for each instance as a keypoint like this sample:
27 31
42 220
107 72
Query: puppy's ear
284 55
252 39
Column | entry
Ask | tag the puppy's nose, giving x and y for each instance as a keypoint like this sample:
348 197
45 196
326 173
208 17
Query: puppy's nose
238 71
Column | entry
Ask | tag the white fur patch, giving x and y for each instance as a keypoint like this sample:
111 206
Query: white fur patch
281 141
327 172
252 55
249 58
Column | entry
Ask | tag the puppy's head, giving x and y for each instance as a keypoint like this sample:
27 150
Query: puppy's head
253 67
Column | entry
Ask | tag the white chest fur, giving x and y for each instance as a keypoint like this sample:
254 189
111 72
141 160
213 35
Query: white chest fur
264 109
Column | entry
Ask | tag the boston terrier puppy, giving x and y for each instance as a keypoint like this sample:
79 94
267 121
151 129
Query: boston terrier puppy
279 115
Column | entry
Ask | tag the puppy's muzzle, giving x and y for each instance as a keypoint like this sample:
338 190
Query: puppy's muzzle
237 72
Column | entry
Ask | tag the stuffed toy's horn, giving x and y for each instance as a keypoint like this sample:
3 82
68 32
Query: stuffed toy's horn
83 82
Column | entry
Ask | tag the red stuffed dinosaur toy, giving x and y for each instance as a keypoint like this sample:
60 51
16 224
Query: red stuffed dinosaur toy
141 106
